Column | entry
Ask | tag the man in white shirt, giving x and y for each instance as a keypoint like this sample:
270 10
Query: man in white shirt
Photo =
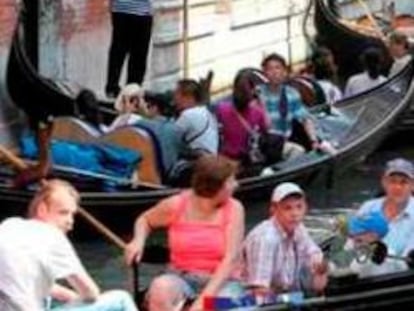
35 253
196 124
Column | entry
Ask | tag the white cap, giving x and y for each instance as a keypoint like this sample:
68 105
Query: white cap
129 90
285 189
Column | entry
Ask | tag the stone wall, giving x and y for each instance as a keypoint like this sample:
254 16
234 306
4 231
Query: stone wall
9 114
224 36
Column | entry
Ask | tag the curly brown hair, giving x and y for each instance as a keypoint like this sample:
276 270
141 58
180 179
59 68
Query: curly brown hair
210 174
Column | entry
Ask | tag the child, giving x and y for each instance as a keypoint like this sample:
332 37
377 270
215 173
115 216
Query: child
359 232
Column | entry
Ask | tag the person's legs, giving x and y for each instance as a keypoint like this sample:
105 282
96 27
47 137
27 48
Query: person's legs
114 300
292 150
140 37
117 52
167 291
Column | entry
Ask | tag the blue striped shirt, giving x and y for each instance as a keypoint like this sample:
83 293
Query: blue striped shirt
295 108
135 7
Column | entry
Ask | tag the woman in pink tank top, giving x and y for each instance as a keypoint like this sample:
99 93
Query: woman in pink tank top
205 228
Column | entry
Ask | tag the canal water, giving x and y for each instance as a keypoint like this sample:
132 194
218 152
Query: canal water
349 189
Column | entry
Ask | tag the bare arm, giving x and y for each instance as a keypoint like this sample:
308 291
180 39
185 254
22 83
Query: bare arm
310 131
235 234
156 217
84 286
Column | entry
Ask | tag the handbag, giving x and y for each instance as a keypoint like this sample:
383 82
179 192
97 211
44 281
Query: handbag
254 154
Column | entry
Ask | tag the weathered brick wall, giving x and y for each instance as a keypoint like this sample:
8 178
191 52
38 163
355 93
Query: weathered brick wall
8 16
9 115
75 37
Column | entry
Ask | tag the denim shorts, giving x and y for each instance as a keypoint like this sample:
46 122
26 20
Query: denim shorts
192 284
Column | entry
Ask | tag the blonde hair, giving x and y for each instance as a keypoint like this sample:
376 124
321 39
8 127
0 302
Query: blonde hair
45 192
132 90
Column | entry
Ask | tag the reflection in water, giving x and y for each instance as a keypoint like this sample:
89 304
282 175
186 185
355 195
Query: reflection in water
349 190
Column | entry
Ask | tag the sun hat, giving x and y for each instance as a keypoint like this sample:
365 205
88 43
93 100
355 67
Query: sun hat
284 190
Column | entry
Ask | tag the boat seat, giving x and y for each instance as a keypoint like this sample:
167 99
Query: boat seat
73 129
70 128
140 140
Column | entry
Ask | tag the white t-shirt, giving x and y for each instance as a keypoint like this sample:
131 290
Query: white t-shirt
123 120
331 91
361 82
399 64
33 255
199 128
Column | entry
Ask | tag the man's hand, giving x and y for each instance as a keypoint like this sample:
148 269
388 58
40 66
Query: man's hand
319 271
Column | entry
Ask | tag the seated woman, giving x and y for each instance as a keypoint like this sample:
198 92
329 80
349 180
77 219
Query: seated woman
164 129
241 120
130 105
205 228
371 60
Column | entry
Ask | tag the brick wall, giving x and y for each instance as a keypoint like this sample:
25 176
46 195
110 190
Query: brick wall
9 114
8 16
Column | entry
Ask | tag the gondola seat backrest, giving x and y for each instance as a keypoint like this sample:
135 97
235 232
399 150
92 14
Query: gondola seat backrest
70 128
73 129
138 139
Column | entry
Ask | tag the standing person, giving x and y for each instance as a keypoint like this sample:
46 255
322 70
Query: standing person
283 104
35 253
397 205
205 227
398 46
279 253
371 60
131 34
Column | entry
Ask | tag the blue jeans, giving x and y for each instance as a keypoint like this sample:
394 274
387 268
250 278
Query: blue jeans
115 300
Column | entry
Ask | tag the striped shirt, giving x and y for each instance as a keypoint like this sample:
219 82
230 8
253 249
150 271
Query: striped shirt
273 260
282 113
134 7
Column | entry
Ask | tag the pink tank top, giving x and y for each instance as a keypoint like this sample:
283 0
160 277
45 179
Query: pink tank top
196 246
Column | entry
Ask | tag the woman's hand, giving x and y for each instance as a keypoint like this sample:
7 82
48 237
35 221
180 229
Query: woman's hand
133 251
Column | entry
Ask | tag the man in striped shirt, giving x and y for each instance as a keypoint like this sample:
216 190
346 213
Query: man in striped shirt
279 253
131 34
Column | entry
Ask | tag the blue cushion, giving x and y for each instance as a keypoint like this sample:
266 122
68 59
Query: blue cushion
98 158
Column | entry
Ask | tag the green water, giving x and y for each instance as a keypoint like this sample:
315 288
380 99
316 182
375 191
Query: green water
105 261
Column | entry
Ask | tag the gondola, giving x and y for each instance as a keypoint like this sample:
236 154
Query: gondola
346 44
345 292
355 127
